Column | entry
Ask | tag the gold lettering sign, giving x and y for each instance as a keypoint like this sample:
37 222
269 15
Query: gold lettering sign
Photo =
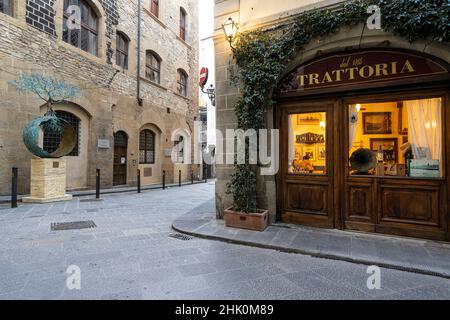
368 67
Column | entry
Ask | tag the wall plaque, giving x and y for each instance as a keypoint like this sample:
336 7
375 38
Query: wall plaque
367 67
103 144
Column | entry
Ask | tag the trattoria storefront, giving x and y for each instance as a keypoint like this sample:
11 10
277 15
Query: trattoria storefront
365 143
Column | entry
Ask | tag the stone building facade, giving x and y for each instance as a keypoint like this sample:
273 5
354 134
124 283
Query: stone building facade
337 198
110 115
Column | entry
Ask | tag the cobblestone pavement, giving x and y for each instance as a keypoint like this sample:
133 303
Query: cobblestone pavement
129 255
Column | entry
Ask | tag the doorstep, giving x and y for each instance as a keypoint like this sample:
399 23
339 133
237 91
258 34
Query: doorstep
413 255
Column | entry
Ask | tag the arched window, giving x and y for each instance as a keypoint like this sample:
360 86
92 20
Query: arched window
183 23
122 50
182 82
153 67
52 139
147 147
6 6
154 7
86 37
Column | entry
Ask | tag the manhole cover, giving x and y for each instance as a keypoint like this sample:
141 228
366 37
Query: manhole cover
180 236
58 226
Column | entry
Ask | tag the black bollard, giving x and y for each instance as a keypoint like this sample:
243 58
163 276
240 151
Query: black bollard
97 184
179 178
138 180
14 188
206 176
192 176
164 180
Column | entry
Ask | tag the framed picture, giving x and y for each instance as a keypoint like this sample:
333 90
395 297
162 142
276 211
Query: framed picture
309 118
377 123
388 146
309 153
321 152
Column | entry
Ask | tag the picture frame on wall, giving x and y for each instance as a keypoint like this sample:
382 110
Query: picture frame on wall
377 122
389 146
309 153
321 152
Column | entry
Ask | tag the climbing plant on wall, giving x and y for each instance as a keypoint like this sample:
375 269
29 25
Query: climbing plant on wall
262 55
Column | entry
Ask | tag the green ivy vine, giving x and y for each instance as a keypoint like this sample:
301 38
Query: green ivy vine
262 55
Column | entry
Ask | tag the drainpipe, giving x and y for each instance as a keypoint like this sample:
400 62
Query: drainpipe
138 72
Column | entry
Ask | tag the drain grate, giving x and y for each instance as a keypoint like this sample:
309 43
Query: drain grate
91 200
180 236
60 226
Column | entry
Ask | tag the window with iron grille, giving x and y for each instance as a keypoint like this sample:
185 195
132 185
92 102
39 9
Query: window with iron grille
154 7
6 6
84 36
122 50
182 24
179 147
182 82
120 139
153 67
147 147
52 139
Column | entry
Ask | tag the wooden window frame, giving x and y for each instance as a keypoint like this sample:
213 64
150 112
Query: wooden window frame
149 68
122 51
154 8
183 16
91 30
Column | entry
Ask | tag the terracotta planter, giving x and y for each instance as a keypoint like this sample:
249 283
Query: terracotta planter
251 221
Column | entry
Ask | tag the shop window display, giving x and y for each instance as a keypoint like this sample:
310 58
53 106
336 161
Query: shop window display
307 143
400 138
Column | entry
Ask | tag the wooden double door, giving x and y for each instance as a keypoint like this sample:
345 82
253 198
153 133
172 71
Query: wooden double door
120 158
332 197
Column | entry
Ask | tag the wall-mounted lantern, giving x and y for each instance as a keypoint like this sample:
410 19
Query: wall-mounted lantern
230 29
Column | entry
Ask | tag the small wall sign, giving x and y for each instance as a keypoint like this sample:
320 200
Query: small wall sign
103 144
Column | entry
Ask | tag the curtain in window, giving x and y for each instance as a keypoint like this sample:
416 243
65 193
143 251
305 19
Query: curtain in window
425 126
353 122
291 156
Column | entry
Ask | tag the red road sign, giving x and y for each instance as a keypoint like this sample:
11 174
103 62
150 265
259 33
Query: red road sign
203 76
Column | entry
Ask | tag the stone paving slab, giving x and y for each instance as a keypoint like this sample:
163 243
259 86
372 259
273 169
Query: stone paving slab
413 255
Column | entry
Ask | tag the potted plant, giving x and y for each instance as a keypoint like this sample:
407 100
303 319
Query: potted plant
244 213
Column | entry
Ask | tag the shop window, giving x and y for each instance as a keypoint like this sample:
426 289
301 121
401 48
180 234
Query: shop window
52 139
6 7
147 147
307 143
182 82
154 7
183 24
122 50
153 67
399 138
85 36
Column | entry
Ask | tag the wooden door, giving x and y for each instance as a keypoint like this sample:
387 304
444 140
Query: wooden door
396 204
120 158
306 178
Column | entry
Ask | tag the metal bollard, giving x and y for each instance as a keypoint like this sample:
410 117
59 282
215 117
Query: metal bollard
179 178
164 180
192 176
14 188
138 180
206 176
97 184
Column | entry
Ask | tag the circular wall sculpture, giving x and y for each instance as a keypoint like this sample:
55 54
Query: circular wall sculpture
31 135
